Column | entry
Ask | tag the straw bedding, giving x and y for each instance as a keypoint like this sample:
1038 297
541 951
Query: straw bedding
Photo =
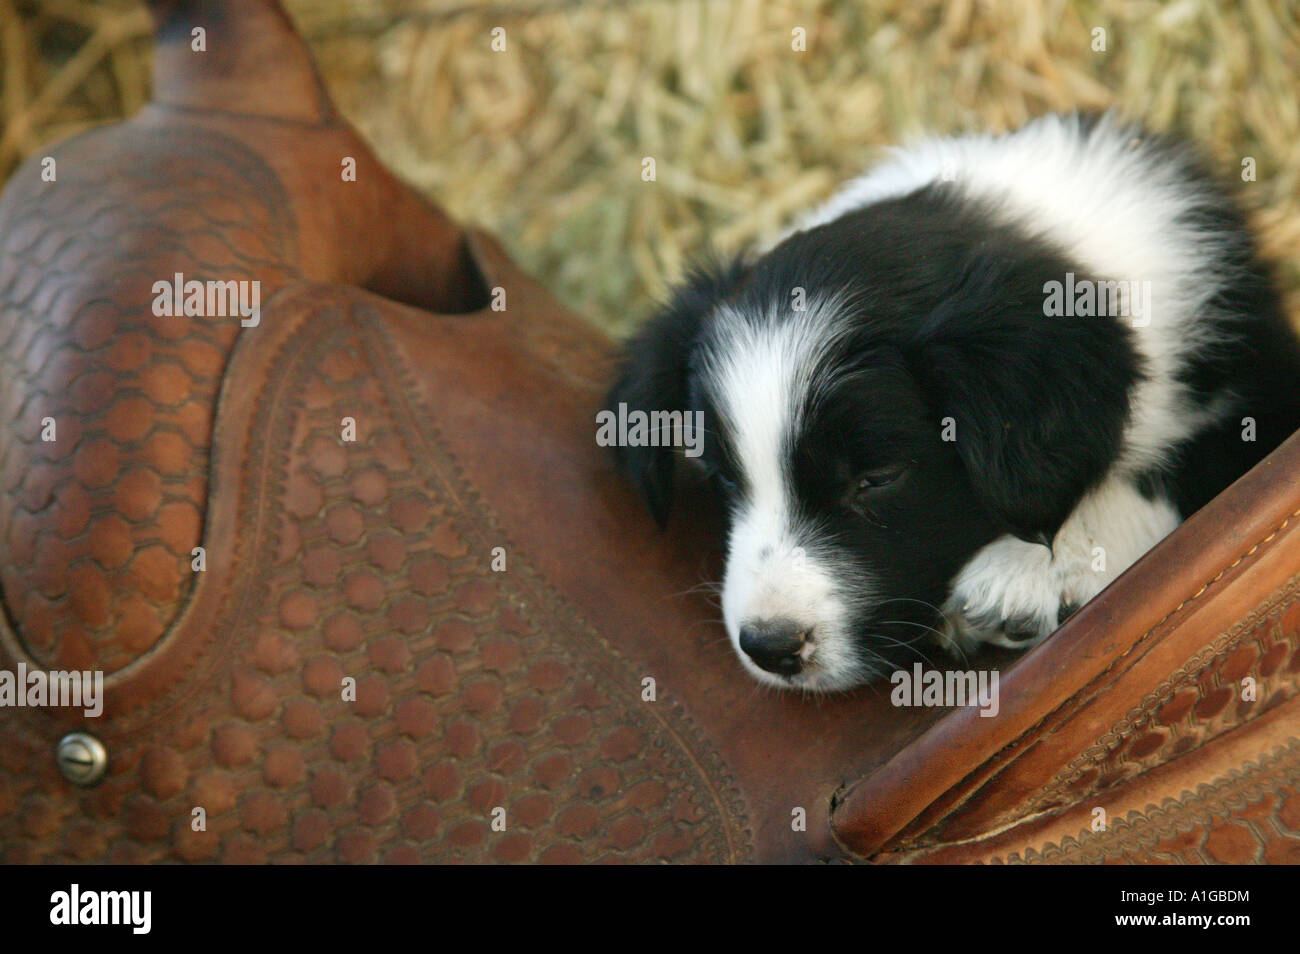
545 142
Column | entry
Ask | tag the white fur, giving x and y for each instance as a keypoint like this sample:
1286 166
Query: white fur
1013 579
1110 205
762 376
1114 207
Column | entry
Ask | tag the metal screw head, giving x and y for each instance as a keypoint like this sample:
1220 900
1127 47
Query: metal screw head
82 758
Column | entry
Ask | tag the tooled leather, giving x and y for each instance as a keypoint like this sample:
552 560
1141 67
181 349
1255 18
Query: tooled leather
1200 701
1189 708
475 690
1250 816
98 525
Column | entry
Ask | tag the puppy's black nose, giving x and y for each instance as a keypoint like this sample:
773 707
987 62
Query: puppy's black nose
774 645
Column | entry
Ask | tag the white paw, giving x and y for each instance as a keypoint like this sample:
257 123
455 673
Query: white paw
1013 593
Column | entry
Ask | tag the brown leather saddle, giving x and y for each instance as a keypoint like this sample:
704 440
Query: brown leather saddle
363 587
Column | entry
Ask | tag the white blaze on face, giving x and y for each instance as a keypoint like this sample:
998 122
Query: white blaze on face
761 376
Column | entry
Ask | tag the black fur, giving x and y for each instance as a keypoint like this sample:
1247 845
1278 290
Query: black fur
956 300
655 374
1255 364
948 326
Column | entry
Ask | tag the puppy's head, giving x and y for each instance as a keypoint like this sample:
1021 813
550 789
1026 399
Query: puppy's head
878 404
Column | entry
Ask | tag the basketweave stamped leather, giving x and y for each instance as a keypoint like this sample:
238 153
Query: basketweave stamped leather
463 702
99 524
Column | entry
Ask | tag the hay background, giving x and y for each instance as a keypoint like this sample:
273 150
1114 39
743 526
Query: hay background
543 143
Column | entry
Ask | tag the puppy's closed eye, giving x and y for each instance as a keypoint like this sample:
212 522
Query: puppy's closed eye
879 478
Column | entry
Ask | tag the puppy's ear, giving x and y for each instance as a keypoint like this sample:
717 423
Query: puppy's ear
655 374
1037 403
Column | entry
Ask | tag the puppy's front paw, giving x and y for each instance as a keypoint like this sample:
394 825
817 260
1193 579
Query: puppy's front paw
1014 594
1019 632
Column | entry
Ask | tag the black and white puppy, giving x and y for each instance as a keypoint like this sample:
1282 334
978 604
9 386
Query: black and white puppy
967 393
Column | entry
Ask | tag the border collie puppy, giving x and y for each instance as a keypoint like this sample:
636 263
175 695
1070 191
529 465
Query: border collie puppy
966 394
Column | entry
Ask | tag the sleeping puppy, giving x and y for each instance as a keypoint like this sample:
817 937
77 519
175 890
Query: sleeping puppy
966 394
